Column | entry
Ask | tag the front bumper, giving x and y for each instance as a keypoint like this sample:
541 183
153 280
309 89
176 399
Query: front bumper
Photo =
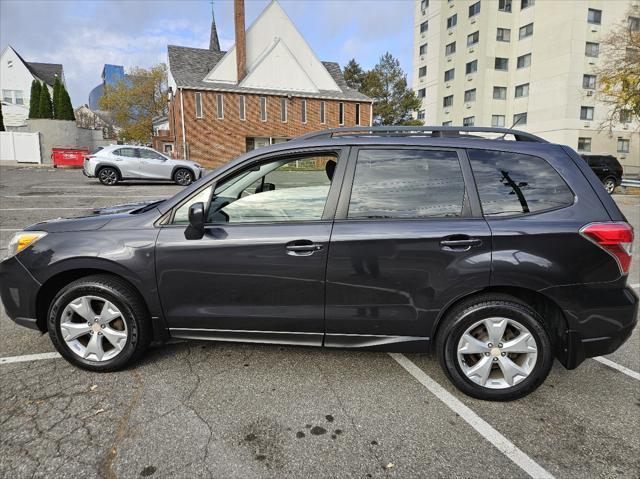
18 291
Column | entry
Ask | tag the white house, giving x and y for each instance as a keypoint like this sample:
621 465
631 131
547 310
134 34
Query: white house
16 76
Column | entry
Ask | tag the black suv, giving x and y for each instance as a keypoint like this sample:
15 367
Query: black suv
607 168
493 247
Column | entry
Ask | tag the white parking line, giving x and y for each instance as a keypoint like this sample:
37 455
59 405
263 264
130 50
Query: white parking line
80 196
44 209
618 367
505 446
29 357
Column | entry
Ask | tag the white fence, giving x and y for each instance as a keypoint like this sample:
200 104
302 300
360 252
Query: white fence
20 147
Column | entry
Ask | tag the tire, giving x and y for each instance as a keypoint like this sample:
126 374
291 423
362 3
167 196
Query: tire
108 176
501 384
183 177
609 185
69 315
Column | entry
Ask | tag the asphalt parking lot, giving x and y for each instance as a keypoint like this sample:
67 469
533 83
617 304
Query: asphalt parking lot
194 409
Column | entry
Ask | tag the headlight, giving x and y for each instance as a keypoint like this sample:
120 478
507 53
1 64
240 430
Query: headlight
24 239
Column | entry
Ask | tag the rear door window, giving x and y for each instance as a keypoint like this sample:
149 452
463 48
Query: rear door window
513 183
126 152
406 183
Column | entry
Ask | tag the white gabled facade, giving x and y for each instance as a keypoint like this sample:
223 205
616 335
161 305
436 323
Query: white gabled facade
278 58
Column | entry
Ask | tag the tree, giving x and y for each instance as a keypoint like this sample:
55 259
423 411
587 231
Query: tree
353 74
618 79
393 101
136 100
34 100
45 107
65 107
56 99
1 119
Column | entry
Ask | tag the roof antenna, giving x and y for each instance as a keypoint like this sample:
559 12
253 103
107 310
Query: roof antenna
510 128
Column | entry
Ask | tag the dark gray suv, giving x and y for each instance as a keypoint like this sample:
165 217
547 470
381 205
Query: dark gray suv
492 247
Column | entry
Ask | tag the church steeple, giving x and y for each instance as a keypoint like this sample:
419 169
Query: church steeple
214 44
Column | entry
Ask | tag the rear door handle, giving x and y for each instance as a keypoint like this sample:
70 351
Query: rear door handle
302 248
460 244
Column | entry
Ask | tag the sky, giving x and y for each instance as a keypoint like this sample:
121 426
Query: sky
83 35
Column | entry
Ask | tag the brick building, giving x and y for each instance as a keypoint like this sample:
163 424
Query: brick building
267 88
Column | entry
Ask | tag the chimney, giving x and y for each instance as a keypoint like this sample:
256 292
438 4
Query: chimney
241 40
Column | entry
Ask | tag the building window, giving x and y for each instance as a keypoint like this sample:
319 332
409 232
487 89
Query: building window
13 96
422 72
446 123
303 111
17 94
450 49
634 24
584 144
524 61
241 107
470 95
220 106
422 92
357 114
198 99
586 113
589 82
473 38
452 21
424 4
469 121
421 115
499 92
525 31
447 101
497 120
474 9
526 4
504 5
502 64
519 119
423 49
449 74
471 67
341 114
263 108
625 116
323 117
7 96
503 35
283 110
522 90
592 49
623 145
424 26
594 16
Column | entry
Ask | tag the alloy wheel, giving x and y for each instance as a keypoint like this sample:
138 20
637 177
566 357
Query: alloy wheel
497 353
183 177
108 176
609 186
93 328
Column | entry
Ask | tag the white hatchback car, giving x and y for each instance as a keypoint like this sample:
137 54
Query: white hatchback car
115 163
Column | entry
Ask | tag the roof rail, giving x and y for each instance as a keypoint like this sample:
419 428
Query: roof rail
432 131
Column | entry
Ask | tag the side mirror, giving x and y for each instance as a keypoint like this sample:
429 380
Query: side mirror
195 230
265 187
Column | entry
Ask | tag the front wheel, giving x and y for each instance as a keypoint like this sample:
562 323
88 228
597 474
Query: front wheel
99 323
108 176
183 177
609 185
494 347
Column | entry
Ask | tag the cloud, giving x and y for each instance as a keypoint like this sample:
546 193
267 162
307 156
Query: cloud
83 35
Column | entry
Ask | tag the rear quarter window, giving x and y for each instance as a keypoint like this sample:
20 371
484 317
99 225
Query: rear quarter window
514 183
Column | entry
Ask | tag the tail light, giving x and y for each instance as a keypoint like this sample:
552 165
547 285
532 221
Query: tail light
615 238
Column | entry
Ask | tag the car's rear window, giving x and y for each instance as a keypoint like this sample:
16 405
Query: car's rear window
514 183
406 183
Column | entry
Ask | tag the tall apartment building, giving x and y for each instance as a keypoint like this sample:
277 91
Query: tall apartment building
498 62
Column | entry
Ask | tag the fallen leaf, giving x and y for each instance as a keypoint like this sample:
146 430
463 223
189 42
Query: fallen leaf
391 465
93 388
99 411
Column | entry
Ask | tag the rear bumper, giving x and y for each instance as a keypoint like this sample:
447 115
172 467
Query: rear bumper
601 318
18 291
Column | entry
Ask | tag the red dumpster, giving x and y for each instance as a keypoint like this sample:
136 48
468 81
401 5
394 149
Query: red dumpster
69 156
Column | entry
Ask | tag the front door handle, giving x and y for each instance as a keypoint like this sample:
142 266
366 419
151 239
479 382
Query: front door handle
302 248
460 244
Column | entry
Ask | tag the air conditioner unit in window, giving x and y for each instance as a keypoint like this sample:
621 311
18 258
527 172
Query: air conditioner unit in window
592 62
471 50
469 77
424 12
589 92
473 20
447 85
587 124
625 126
447 111
468 105
449 59
423 35
450 31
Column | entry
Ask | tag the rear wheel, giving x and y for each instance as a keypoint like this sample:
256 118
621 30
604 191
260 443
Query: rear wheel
609 185
183 177
98 323
108 176
494 347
